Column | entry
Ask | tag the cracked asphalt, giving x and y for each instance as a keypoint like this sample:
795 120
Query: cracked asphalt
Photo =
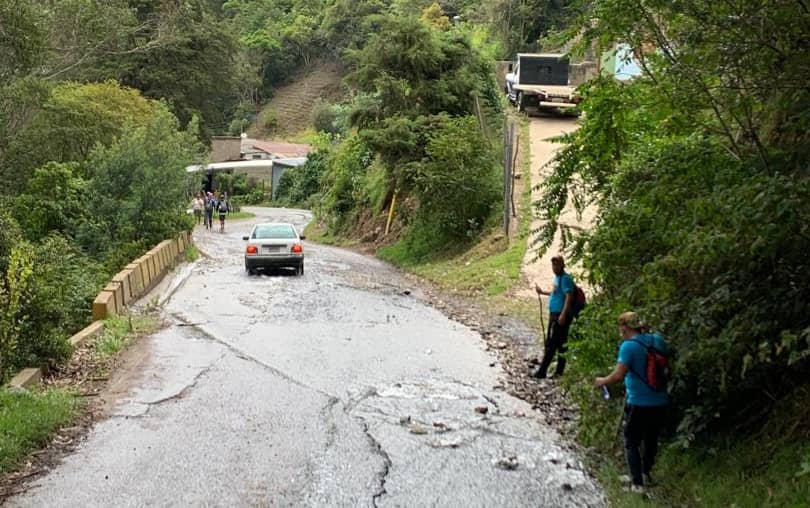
338 388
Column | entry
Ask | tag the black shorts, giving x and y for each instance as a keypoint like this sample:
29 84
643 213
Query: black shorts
221 215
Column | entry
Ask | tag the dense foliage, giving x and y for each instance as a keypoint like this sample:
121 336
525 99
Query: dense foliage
699 169
426 105
95 176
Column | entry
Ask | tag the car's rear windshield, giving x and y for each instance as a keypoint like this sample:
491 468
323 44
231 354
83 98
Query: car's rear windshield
280 231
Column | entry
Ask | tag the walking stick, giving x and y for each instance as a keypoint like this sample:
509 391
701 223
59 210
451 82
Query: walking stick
542 321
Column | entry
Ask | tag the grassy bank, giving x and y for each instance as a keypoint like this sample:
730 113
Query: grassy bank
121 331
28 419
240 215
769 469
488 270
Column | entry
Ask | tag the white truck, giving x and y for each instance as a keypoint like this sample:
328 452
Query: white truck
540 80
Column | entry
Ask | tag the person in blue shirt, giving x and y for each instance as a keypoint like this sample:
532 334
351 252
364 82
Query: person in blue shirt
560 307
645 407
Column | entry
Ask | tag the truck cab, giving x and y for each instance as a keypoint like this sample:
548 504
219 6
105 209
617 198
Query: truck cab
540 80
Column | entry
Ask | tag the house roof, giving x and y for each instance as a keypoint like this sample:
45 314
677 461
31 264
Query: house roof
261 163
281 149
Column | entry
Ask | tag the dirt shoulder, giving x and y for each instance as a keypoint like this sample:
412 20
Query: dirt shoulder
541 130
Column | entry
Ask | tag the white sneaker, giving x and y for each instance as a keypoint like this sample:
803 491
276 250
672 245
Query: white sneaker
635 489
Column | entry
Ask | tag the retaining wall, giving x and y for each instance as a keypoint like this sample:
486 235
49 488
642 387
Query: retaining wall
131 283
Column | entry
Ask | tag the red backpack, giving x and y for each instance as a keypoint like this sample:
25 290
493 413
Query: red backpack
578 302
657 369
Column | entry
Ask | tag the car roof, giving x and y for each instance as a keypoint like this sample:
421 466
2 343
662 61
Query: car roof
265 224
274 225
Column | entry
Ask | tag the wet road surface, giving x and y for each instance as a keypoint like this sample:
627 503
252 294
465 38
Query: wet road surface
337 388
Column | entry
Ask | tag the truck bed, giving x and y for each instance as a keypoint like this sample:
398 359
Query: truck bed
555 90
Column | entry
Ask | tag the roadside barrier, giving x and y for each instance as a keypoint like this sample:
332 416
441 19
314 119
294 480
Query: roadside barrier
139 277
131 283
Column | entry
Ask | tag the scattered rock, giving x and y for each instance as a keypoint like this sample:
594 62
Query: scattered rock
405 420
428 351
509 463
567 487
445 443
406 292
481 409
492 364
417 429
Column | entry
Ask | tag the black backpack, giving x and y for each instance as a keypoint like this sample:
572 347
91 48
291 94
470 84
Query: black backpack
209 205
223 206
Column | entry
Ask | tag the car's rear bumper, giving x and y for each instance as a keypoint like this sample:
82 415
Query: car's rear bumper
257 261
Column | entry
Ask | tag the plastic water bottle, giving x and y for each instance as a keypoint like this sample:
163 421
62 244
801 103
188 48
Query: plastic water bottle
605 393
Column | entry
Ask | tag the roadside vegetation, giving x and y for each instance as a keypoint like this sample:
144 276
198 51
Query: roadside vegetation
699 170
27 420
120 331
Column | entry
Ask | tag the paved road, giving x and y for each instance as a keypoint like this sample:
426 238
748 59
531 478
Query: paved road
338 388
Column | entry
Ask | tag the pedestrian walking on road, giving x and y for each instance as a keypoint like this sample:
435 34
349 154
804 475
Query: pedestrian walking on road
560 315
210 203
197 205
222 208
644 374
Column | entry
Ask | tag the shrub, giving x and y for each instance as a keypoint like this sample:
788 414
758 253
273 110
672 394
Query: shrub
64 285
324 118
138 188
298 184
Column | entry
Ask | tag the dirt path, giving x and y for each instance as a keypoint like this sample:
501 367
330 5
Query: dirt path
541 129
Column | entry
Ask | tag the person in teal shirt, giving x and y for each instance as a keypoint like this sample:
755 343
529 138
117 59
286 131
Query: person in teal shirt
560 307
645 407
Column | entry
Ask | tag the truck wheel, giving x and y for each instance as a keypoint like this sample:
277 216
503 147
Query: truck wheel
521 106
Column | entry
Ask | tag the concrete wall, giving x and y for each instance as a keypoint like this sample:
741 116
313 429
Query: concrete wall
579 73
134 281
225 148
139 277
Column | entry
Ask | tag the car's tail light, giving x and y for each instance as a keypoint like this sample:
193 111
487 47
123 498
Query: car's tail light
296 248
252 249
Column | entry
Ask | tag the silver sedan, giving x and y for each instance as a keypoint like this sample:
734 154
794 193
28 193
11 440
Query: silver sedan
274 245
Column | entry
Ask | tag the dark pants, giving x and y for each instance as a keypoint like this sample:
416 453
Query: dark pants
556 336
642 424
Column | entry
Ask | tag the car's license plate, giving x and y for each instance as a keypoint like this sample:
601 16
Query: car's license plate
272 248
558 99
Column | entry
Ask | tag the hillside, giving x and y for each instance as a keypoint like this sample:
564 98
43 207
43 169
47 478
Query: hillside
288 112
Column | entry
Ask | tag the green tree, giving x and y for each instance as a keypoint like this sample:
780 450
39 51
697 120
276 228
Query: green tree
55 200
193 70
138 189
23 39
73 119
13 292
703 209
